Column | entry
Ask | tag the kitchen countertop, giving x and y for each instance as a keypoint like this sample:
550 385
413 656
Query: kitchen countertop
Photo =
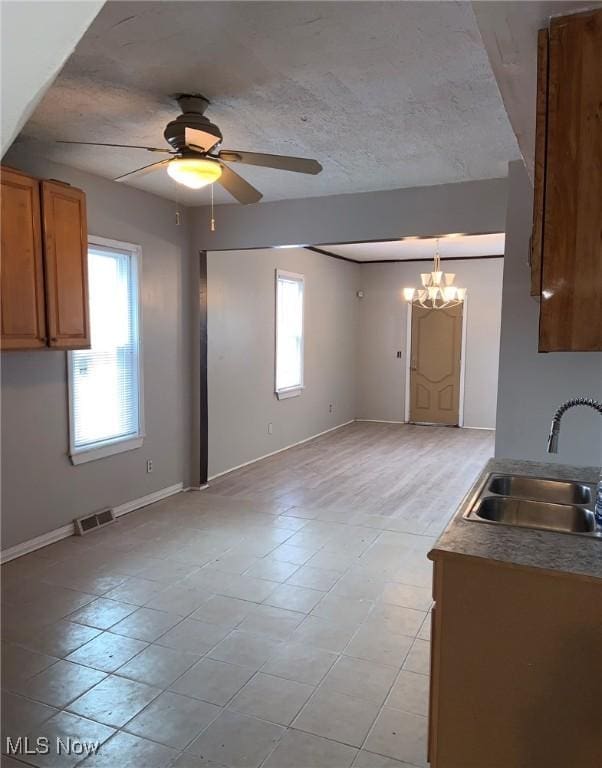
562 552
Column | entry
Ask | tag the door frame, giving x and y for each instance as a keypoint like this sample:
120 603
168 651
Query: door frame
406 415
203 389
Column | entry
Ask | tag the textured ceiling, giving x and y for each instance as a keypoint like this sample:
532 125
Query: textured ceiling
450 246
385 95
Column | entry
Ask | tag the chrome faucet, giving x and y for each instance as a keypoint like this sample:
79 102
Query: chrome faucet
555 432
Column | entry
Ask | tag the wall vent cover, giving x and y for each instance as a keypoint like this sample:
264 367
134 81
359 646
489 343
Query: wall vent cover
93 521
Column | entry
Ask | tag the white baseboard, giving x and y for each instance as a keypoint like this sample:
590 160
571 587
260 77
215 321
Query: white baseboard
40 541
286 447
150 498
381 421
386 421
68 530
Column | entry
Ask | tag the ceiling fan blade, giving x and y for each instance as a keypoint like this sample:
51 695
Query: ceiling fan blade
281 162
144 170
238 187
122 146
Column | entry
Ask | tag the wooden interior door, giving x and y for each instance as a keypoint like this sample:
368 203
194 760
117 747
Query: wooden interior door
435 365
66 263
22 280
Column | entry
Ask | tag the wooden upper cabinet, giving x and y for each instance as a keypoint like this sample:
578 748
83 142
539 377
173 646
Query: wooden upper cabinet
571 250
22 272
66 265
44 266
540 161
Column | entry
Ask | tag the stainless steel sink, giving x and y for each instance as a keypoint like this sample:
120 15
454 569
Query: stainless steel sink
536 514
535 502
540 489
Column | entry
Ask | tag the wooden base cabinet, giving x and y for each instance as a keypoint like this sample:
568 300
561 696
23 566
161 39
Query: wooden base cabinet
516 678
44 278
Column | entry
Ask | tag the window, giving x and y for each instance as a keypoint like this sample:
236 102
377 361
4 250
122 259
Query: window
105 393
289 334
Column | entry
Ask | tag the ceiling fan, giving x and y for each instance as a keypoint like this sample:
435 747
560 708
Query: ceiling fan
195 162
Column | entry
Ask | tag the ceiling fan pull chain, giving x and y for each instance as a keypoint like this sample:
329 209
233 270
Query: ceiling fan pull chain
178 214
212 225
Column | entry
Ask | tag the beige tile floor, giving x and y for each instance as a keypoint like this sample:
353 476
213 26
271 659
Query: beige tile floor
278 619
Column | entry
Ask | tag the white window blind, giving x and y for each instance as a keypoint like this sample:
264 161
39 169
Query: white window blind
105 395
289 332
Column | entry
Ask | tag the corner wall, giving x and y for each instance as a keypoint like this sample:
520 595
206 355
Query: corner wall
241 341
533 385
41 489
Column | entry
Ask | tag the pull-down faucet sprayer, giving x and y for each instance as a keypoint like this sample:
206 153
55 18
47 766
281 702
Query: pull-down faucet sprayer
555 432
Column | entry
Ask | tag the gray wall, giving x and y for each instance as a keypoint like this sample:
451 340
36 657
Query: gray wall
532 385
382 331
473 206
41 490
241 352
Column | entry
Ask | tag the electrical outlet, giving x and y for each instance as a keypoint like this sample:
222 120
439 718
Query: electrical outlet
149 465
330 408
270 429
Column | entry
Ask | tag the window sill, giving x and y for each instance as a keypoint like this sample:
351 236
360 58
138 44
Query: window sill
284 394
108 449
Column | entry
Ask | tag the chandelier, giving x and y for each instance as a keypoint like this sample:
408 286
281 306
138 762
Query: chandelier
438 290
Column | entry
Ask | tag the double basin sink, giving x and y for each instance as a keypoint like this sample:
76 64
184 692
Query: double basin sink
535 502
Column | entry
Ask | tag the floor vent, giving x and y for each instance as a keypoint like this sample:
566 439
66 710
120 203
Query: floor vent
94 521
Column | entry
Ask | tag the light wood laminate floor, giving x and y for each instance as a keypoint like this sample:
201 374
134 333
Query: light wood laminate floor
279 618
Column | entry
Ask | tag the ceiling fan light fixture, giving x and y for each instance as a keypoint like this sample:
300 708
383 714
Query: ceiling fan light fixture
194 172
191 137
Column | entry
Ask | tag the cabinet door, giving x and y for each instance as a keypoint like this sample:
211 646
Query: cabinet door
22 281
571 293
66 264
540 161
517 667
